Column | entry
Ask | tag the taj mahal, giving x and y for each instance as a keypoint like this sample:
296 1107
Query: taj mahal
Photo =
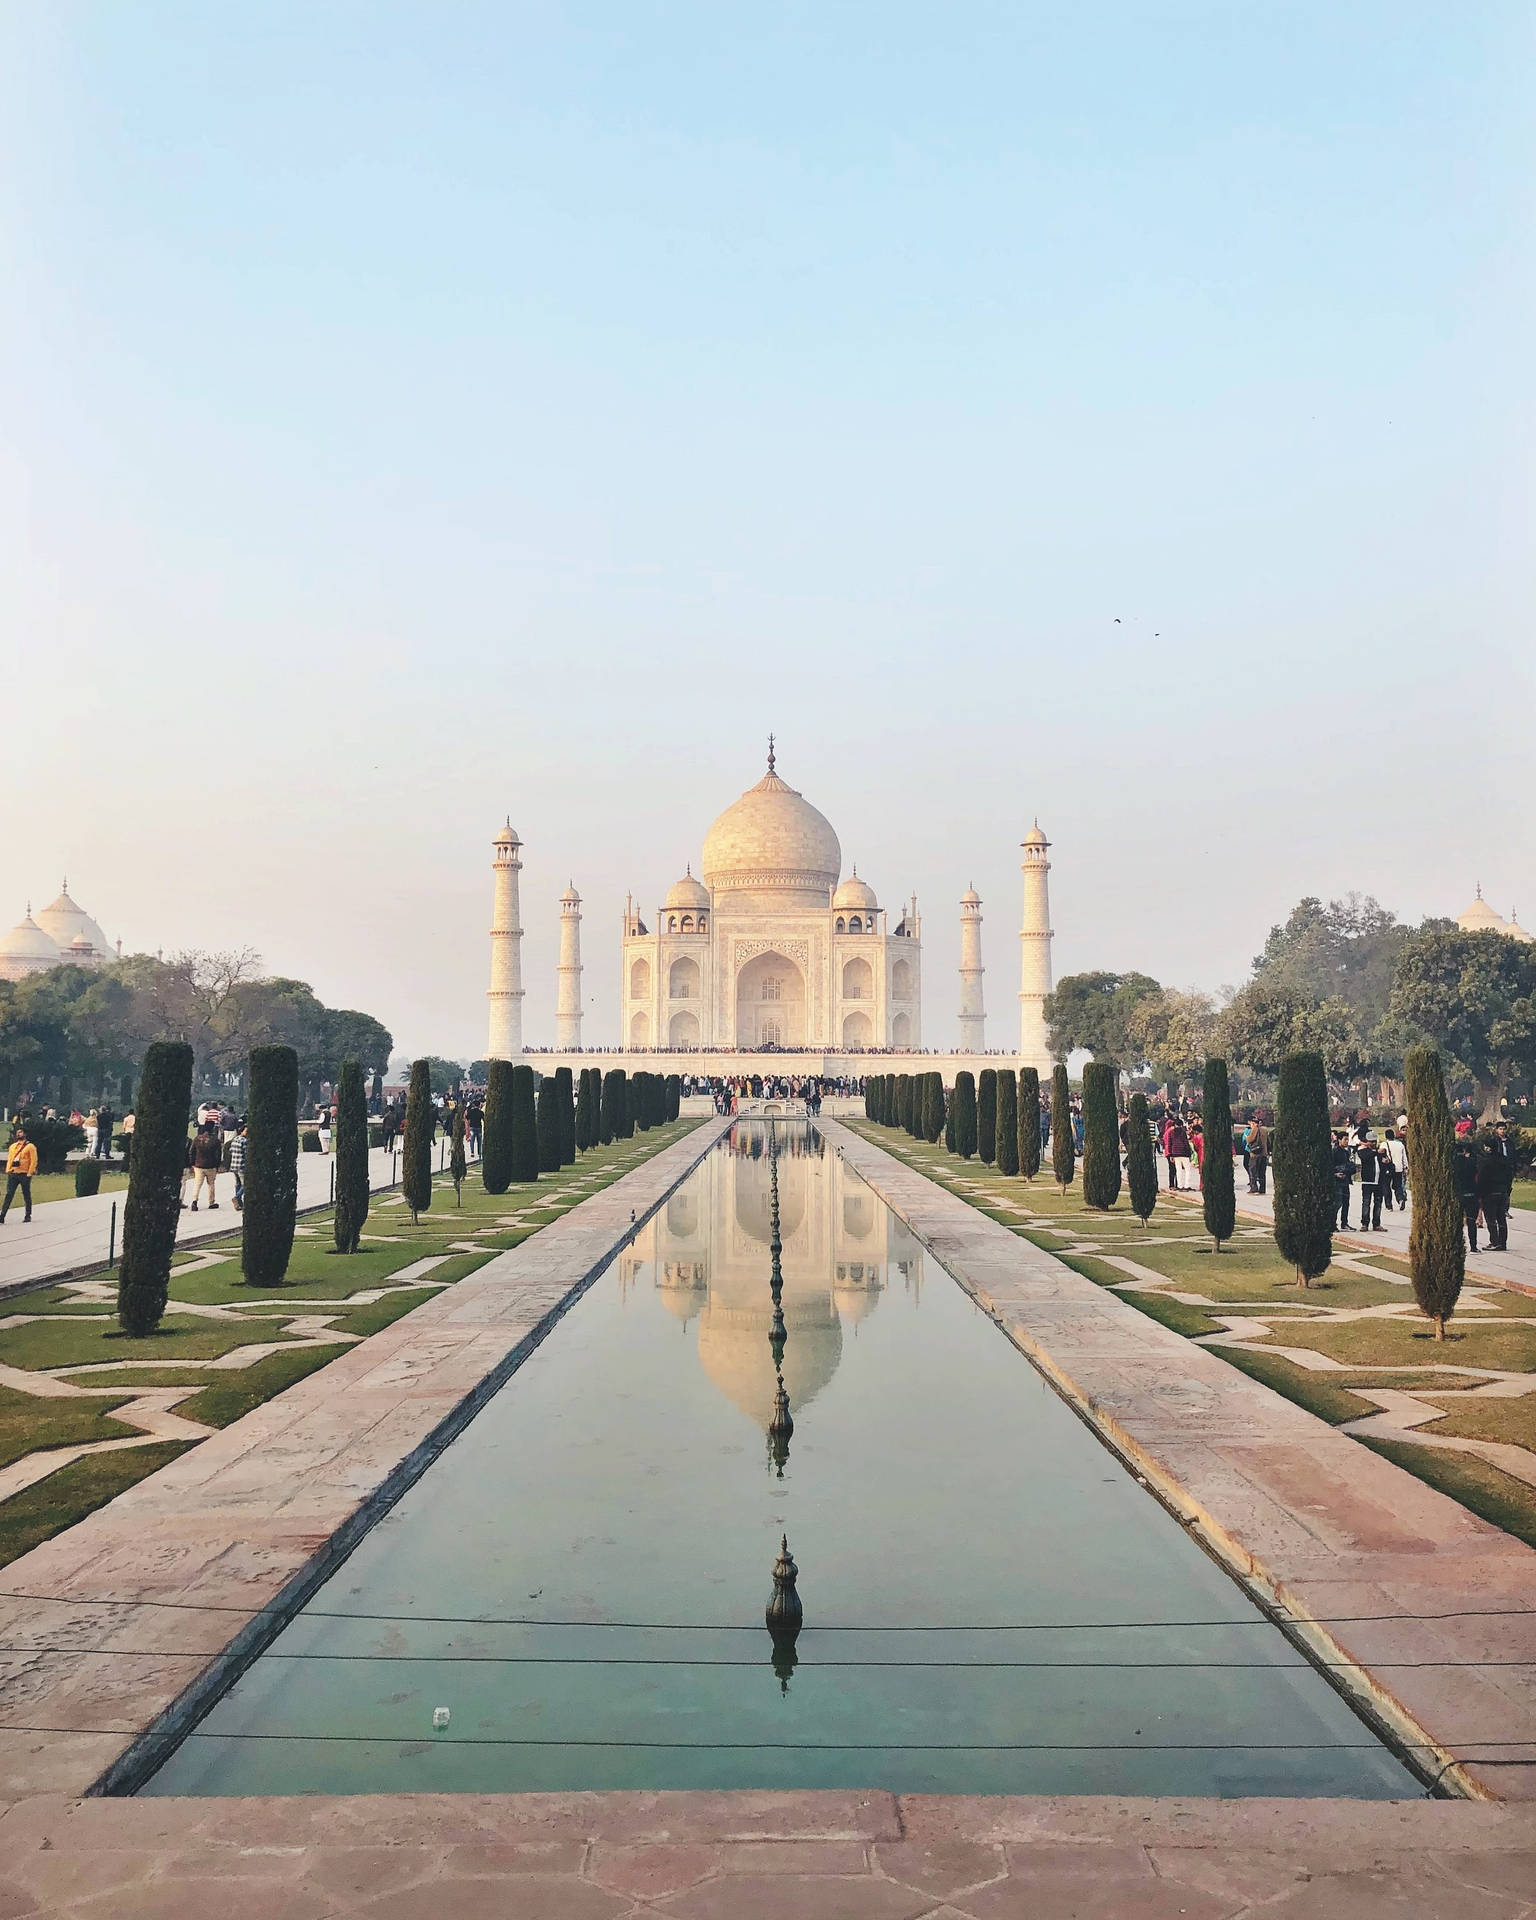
769 948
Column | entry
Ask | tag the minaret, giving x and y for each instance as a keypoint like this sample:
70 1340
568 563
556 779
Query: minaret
568 973
506 988
1035 963
972 1016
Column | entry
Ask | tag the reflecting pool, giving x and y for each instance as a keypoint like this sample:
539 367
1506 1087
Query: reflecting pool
992 1604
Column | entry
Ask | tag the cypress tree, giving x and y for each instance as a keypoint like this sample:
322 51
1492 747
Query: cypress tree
949 1122
496 1140
524 1148
565 1109
1101 1137
416 1148
904 1101
617 1084
870 1098
456 1162
965 1114
351 1157
1436 1250
1140 1165
658 1100
639 1109
153 1203
1216 1178
271 1165
986 1116
933 1107
586 1114
1302 1159
1029 1122
547 1118
1063 1146
608 1109
883 1098
1007 1121
674 1096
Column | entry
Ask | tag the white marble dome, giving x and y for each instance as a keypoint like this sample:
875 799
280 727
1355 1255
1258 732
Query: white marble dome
855 894
67 924
27 949
772 839
688 893
1480 917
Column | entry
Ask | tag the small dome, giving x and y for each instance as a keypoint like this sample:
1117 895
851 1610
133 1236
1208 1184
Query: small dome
1515 930
855 893
688 892
67 924
1035 838
1480 917
506 838
970 898
570 898
27 949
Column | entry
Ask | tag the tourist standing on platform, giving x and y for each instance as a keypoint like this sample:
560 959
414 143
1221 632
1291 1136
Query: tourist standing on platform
1343 1175
1258 1157
1495 1178
1464 1173
1372 1178
1395 1171
106 1120
204 1160
20 1165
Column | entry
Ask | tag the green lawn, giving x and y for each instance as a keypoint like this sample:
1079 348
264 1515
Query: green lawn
28 1424
61 1186
49 1506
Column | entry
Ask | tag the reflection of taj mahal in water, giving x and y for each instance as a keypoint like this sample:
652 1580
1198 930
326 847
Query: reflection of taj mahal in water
723 1283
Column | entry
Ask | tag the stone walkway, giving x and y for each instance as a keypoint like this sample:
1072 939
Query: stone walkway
765 1856
1432 1610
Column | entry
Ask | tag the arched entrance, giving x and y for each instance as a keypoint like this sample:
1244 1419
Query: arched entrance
858 1031
770 1003
640 1030
901 1030
684 1030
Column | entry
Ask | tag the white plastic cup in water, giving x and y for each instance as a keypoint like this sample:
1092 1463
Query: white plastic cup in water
439 1716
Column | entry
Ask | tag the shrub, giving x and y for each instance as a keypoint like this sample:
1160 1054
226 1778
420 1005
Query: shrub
271 1166
351 1138
496 1139
55 1141
309 1140
965 1113
1007 1121
1140 1161
87 1177
1216 1177
1063 1146
153 1205
1029 1122
1101 1137
525 1127
416 1150
1436 1250
986 1116
1302 1158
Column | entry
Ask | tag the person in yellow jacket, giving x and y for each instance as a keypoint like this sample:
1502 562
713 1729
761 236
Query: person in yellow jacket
20 1165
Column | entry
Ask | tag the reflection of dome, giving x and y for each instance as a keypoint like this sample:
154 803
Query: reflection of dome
685 1293
1480 917
857 1292
27 949
855 893
734 1352
66 924
754 1213
772 838
687 892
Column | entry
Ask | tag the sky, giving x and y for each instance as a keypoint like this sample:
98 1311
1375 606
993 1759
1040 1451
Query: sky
417 415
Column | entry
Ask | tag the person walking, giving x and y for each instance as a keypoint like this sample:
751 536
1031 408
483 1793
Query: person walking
1495 1178
1175 1151
1343 1175
1372 1177
1396 1155
235 1154
1464 1174
106 1120
1258 1157
204 1160
20 1165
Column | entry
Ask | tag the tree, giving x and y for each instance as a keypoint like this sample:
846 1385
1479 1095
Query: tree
1101 1137
1007 1121
547 1118
445 1074
986 1116
1302 1158
614 1115
456 1162
871 1097
351 1158
1063 1145
348 1035
1269 1020
1473 996
1029 1122
153 1203
524 1154
904 1101
1173 1033
1346 950
271 1165
949 1122
1140 1162
496 1140
416 1148
1092 1010
965 1114
1216 1179
674 1096
1436 1250
565 1108
639 1105
933 1107
587 1096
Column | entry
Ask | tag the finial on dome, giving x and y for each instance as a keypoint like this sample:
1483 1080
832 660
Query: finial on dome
770 753
1479 889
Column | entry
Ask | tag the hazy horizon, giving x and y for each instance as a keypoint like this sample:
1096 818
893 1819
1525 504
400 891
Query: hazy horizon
415 418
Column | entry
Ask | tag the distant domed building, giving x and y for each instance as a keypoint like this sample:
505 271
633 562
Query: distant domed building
766 949
1481 918
63 934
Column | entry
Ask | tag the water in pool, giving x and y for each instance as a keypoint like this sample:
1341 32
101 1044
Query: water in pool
992 1604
